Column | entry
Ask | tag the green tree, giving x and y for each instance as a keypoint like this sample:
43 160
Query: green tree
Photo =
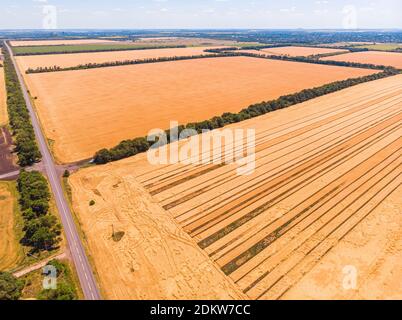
10 287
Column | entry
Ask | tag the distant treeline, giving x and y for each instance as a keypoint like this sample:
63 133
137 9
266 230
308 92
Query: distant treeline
20 121
42 230
120 63
128 148
37 50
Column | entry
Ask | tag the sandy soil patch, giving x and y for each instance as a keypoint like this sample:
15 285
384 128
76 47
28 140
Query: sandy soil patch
58 42
10 250
393 59
154 259
325 193
299 51
3 99
84 111
75 59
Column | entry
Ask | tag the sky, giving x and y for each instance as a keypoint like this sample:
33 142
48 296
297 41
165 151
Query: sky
200 14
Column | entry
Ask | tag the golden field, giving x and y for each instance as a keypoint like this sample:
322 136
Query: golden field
75 59
326 194
10 250
86 110
3 99
299 51
21 43
393 59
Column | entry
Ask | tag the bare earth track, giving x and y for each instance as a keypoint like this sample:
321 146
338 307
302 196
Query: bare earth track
87 110
325 194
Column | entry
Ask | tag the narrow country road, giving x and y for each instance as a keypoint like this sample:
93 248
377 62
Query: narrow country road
77 251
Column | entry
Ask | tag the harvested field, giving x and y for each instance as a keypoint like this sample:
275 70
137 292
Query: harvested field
79 48
10 250
325 194
383 46
22 43
393 59
84 111
299 51
3 99
152 257
191 41
75 59
7 158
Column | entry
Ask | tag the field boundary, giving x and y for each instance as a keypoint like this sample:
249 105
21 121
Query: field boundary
218 53
128 148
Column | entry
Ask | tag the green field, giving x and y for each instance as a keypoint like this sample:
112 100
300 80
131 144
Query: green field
35 50
383 46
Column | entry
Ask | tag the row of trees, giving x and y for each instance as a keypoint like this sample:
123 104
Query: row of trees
22 130
30 51
120 63
132 147
42 230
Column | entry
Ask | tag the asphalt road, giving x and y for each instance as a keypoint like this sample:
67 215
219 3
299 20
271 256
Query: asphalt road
83 268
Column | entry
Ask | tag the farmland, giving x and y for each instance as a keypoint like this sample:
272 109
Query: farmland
299 51
11 253
3 104
62 49
325 194
393 59
138 251
197 42
27 43
75 106
383 46
75 59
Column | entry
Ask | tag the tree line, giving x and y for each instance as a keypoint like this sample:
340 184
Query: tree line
41 229
120 63
19 118
11 287
128 148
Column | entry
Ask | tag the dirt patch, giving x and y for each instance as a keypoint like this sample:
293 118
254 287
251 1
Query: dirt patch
84 111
